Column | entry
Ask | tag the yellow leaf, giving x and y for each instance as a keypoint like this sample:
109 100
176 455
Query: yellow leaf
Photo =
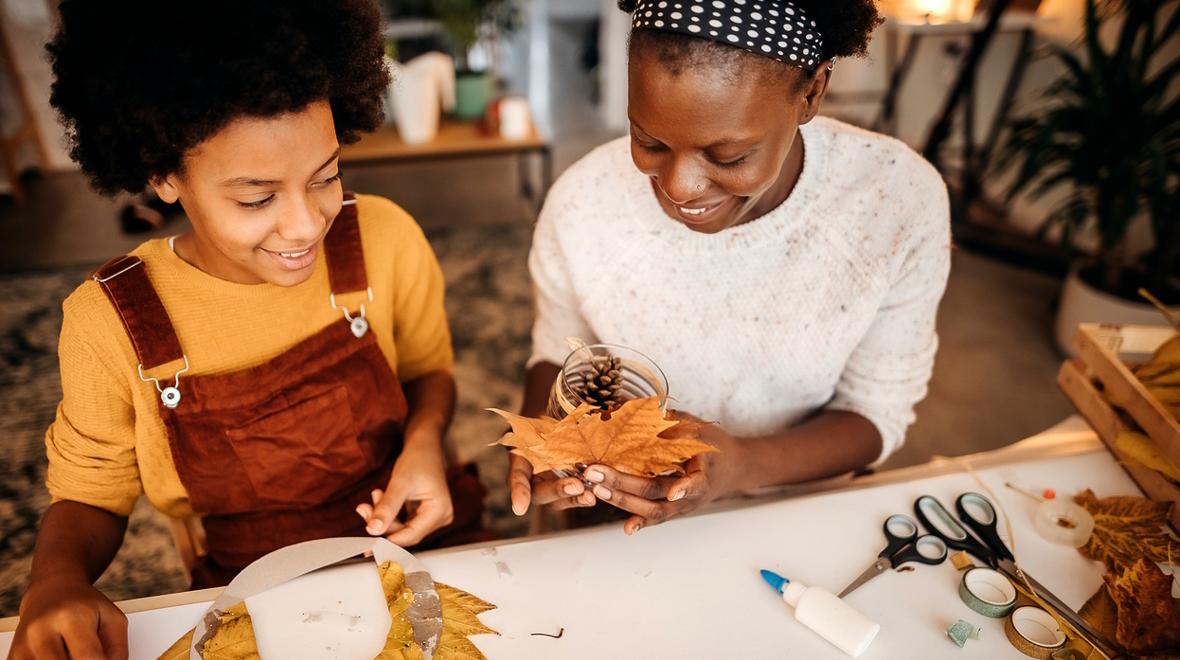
399 641
1141 449
234 638
1125 529
460 598
179 649
1148 616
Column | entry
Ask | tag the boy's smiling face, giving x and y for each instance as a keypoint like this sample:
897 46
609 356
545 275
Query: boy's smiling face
261 194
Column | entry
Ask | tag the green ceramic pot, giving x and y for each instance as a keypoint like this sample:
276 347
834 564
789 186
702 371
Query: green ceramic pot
473 93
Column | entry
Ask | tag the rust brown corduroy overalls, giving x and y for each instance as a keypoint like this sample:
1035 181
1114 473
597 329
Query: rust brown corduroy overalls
284 451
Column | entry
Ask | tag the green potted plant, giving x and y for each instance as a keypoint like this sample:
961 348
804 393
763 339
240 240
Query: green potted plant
1109 134
467 21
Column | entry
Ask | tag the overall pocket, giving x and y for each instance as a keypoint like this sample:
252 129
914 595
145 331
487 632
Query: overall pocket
301 448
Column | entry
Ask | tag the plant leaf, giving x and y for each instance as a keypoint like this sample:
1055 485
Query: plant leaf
234 639
1148 616
1126 529
636 439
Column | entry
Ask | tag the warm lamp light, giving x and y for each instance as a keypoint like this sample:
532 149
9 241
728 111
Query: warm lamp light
935 10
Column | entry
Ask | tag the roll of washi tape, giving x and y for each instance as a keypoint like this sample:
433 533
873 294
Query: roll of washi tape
987 592
1034 632
961 631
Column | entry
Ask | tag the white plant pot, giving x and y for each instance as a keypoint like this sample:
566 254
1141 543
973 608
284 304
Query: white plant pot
422 88
1082 303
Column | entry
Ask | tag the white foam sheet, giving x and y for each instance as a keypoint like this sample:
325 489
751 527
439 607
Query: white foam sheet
335 613
690 588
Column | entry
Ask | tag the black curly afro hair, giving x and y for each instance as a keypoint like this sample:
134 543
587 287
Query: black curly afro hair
138 83
846 25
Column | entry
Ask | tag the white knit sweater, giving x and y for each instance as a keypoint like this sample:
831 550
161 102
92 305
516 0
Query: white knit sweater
828 301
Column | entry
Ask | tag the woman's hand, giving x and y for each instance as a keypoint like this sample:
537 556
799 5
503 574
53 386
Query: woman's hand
418 482
68 618
707 477
546 489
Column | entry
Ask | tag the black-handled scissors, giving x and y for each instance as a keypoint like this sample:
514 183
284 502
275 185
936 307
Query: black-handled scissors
902 545
978 514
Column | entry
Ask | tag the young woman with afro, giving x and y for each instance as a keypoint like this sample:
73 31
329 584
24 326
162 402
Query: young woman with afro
282 370
783 269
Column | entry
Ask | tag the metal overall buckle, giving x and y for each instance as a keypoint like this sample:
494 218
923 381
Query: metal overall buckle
169 396
357 324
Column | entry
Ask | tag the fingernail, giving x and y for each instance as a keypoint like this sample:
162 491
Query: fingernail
676 494
602 492
376 527
359 511
573 489
595 476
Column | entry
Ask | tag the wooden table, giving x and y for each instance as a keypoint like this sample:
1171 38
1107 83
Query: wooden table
457 140
690 588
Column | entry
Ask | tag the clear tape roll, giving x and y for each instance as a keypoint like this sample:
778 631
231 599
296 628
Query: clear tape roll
1062 521
987 592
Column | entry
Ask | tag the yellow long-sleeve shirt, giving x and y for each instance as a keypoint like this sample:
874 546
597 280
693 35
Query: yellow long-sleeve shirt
108 443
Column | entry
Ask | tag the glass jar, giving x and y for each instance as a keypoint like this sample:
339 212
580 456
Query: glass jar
641 377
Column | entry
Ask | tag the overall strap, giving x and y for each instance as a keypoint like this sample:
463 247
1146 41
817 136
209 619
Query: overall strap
343 251
126 283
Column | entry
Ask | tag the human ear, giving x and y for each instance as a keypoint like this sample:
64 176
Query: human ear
167 188
815 90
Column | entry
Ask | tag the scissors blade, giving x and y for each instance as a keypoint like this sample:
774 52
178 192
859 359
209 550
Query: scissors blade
1096 638
869 573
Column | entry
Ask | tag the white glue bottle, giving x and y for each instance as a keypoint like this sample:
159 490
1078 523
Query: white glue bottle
828 616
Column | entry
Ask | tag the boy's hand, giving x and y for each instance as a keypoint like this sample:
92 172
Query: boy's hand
419 483
68 618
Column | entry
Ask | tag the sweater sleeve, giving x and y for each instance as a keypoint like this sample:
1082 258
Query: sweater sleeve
421 332
888 371
91 443
558 314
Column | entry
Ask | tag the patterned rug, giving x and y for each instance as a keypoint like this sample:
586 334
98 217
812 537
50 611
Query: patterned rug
489 302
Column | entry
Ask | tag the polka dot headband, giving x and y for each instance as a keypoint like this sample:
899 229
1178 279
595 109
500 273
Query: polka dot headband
777 29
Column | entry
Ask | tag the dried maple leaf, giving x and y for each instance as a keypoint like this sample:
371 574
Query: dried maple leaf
1125 529
1148 616
460 614
636 438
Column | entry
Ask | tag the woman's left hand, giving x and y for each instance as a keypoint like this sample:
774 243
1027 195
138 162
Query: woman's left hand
653 500
418 482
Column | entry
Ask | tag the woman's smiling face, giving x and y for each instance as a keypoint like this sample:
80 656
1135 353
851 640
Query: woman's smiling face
719 142
261 194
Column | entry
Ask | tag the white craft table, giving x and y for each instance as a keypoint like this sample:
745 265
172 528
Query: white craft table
690 588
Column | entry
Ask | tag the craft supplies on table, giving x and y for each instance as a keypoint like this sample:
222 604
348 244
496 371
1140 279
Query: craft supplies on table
690 589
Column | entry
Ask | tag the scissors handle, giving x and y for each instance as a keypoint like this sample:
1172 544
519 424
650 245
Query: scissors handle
977 512
926 549
939 522
900 531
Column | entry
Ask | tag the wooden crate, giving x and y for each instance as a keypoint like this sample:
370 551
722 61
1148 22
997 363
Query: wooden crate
1101 351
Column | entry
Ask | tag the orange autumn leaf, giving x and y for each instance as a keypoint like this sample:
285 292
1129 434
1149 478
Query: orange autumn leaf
1125 529
1148 616
636 438
527 434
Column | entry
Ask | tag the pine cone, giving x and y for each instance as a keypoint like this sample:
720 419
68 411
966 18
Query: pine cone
603 381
